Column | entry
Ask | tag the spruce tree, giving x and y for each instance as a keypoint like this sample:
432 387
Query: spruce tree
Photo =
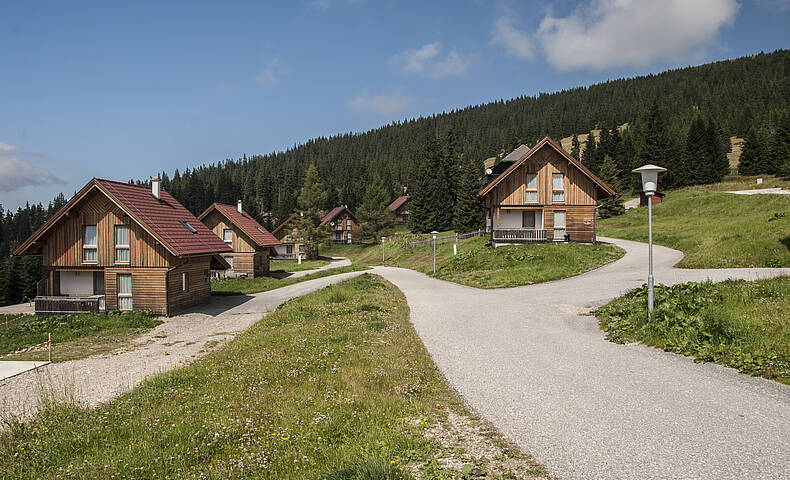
575 147
698 161
588 156
610 206
717 153
374 216
423 205
311 201
468 214
751 154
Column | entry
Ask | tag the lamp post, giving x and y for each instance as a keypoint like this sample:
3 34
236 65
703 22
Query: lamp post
382 249
649 184
433 233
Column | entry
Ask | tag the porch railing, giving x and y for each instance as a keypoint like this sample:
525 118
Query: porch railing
519 235
53 305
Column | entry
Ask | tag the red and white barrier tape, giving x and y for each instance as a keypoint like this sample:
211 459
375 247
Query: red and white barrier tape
32 348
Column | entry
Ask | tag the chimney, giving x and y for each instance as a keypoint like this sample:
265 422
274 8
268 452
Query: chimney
238 205
155 187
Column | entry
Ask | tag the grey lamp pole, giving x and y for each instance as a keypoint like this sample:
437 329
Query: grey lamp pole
433 233
649 175
382 250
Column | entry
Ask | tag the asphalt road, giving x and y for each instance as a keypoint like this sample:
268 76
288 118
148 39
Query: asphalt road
531 362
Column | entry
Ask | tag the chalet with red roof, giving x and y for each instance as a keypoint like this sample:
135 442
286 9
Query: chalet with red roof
341 222
291 242
542 194
400 207
251 243
118 246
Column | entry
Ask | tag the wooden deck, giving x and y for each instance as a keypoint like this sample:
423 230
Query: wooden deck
55 305
519 235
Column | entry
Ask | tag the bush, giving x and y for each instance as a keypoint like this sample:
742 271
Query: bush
371 469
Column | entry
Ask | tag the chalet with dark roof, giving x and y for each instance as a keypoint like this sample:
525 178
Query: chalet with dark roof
251 243
400 208
118 246
341 222
291 242
542 194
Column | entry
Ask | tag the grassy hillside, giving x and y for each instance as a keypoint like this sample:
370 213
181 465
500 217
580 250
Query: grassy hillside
329 381
713 228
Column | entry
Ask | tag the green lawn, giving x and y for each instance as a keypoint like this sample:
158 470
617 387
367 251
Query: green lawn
293 265
484 267
714 229
329 384
740 324
73 336
246 286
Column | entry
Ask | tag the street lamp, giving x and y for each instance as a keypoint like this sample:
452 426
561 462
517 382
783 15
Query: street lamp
649 184
382 249
433 233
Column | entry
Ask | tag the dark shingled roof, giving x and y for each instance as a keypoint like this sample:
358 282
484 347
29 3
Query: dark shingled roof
163 218
334 213
398 202
246 223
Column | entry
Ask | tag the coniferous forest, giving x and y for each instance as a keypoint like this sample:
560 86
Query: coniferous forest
681 119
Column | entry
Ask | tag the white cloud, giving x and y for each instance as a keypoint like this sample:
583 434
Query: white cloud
272 72
320 4
16 173
616 33
426 61
384 104
517 43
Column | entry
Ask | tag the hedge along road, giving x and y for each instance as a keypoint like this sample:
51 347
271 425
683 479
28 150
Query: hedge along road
532 362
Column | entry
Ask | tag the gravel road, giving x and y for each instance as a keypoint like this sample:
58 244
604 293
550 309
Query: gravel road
532 362
179 340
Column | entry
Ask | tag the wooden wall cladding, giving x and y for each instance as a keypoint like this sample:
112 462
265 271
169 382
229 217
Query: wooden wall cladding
63 245
148 288
199 292
218 223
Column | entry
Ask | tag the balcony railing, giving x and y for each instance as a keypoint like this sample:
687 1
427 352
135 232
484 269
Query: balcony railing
52 305
516 235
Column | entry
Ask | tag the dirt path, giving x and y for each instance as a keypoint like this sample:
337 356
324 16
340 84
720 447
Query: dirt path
179 340
532 362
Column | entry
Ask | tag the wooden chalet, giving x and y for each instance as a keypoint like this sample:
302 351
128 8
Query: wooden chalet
251 243
341 223
291 242
543 195
400 207
125 247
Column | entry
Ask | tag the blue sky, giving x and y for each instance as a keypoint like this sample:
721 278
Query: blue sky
125 89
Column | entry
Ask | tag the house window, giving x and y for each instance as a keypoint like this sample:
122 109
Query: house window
528 220
289 249
89 245
98 283
185 282
121 244
124 292
230 261
558 189
227 235
532 188
348 224
559 226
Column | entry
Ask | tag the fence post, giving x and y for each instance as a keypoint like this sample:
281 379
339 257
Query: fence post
49 347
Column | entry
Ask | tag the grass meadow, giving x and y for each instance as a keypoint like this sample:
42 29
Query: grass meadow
247 286
293 265
334 385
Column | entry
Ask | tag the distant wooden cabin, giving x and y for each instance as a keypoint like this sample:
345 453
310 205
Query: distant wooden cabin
400 207
291 241
543 195
125 247
341 222
251 243
658 197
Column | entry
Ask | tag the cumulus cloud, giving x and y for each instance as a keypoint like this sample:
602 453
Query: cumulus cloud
383 104
517 44
618 33
427 61
272 72
16 173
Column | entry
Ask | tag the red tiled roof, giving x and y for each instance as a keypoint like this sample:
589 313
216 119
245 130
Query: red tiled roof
334 213
398 202
246 223
164 218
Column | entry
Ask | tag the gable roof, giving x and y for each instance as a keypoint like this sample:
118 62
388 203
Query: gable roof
334 213
282 225
551 143
162 218
246 224
398 202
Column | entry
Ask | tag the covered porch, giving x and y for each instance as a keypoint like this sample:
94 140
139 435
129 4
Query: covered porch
519 225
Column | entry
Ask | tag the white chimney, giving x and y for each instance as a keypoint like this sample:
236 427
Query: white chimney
155 187
238 205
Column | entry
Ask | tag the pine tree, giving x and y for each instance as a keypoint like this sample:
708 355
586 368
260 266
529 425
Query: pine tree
698 160
311 201
751 154
611 206
589 154
374 216
659 149
468 214
575 147
445 189
423 204
717 152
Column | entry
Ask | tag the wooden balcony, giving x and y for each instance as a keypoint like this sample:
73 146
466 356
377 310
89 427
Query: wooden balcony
54 305
519 235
